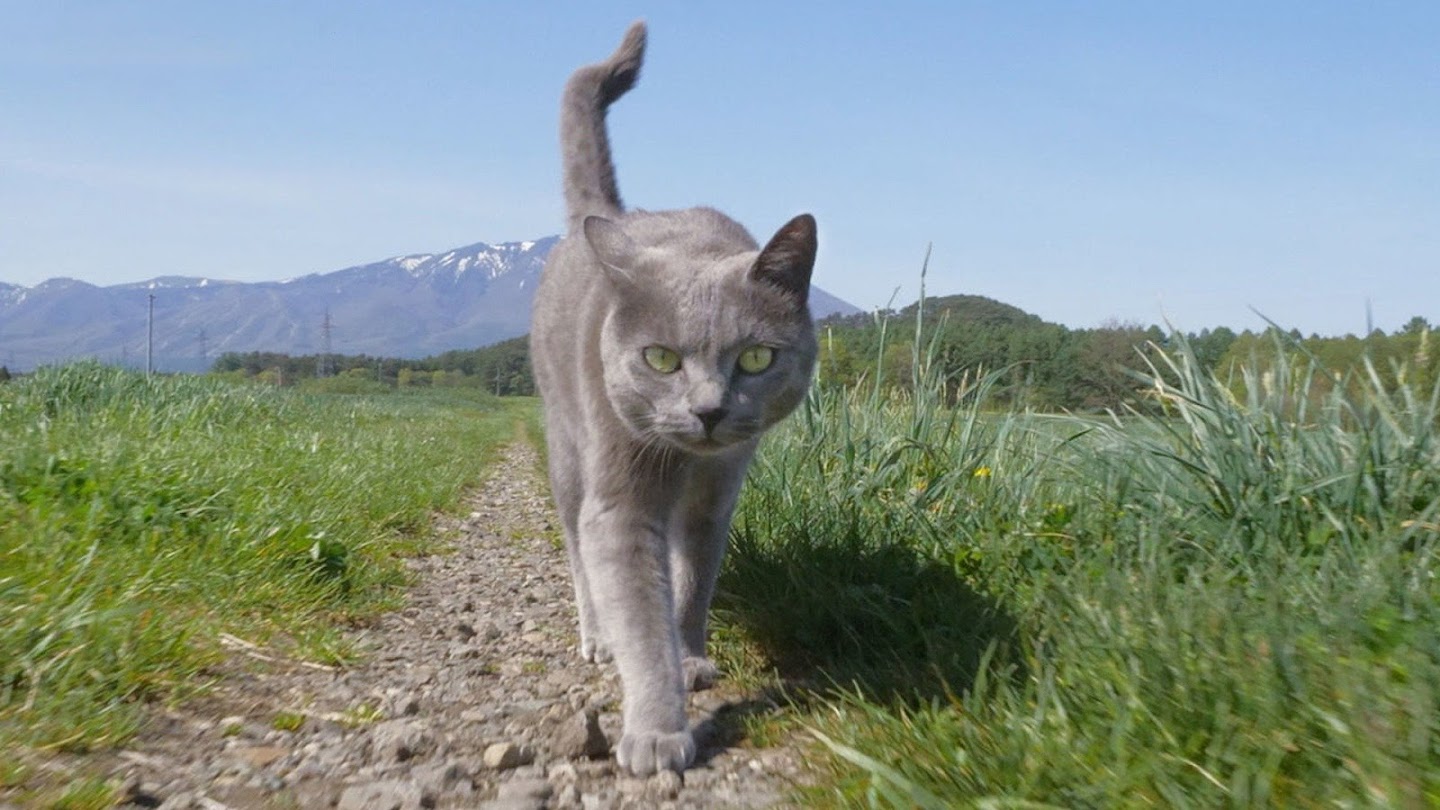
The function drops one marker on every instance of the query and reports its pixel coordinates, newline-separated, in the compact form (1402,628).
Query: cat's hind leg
(567,486)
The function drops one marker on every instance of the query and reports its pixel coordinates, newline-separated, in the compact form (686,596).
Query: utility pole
(204,348)
(324,369)
(150,339)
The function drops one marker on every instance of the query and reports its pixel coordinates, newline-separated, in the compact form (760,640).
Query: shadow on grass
(858,616)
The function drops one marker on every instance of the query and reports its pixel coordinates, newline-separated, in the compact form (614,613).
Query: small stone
(270,783)
(259,756)
(183,800)
(444,777)
(701,777)
(563,773)
(140,793)
(404,705)
(568,797)
(537,789)
(399,740)
(390,794)
(507,755)
(461,651)
(663,786)
(581,736)
(465,631)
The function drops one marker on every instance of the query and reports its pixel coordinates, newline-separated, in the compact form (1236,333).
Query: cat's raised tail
(590,188)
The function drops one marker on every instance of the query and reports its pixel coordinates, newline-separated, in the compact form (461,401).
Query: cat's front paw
(593,651)
(646,753)
(699,673)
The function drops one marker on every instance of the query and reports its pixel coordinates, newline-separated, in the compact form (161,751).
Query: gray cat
(664,344)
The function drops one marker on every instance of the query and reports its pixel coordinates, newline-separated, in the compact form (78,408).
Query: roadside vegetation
(1224,596)
(1219,592)
(143,520)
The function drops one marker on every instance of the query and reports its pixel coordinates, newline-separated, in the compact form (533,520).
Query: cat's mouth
(704,443)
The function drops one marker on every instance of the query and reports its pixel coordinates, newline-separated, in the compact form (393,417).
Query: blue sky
(1084,161)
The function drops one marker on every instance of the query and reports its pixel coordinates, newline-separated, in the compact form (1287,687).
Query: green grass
(140,519)
(1228,601)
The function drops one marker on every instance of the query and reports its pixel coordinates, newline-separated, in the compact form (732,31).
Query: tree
(1415,326)
(1211,345)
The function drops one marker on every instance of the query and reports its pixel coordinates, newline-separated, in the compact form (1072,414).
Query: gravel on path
(470,696)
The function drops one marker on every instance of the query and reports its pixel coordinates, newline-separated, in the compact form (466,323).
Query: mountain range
(406,306)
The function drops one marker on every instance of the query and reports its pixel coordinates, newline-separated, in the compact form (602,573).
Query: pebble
(580,735)
(391,794)
(399,740)
(505,755)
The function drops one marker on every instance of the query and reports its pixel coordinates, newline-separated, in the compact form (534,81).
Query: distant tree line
(1037,364)
(1047,366)
(502,369)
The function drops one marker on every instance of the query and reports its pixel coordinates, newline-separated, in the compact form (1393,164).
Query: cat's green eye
(662,359)
(756,359)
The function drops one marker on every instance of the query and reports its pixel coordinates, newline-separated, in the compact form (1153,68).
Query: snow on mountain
(171,283)
(490,260)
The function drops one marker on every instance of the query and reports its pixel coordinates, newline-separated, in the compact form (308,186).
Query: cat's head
(706,348)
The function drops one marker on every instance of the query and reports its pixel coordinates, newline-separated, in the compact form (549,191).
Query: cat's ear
(788,258)
(616,251)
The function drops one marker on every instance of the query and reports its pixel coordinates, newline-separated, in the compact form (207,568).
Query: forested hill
(971,308)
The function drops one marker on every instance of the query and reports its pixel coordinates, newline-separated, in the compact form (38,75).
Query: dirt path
(470,696)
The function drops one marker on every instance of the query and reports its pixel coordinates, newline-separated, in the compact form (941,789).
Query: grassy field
(1228,604)
(141,519)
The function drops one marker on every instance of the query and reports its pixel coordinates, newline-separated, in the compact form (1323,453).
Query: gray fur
(645,466)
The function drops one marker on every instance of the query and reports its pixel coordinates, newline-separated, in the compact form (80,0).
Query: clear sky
(1082,160)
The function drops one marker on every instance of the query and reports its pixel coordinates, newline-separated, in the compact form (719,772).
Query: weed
(288,721)
(362,714)
(88,793)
